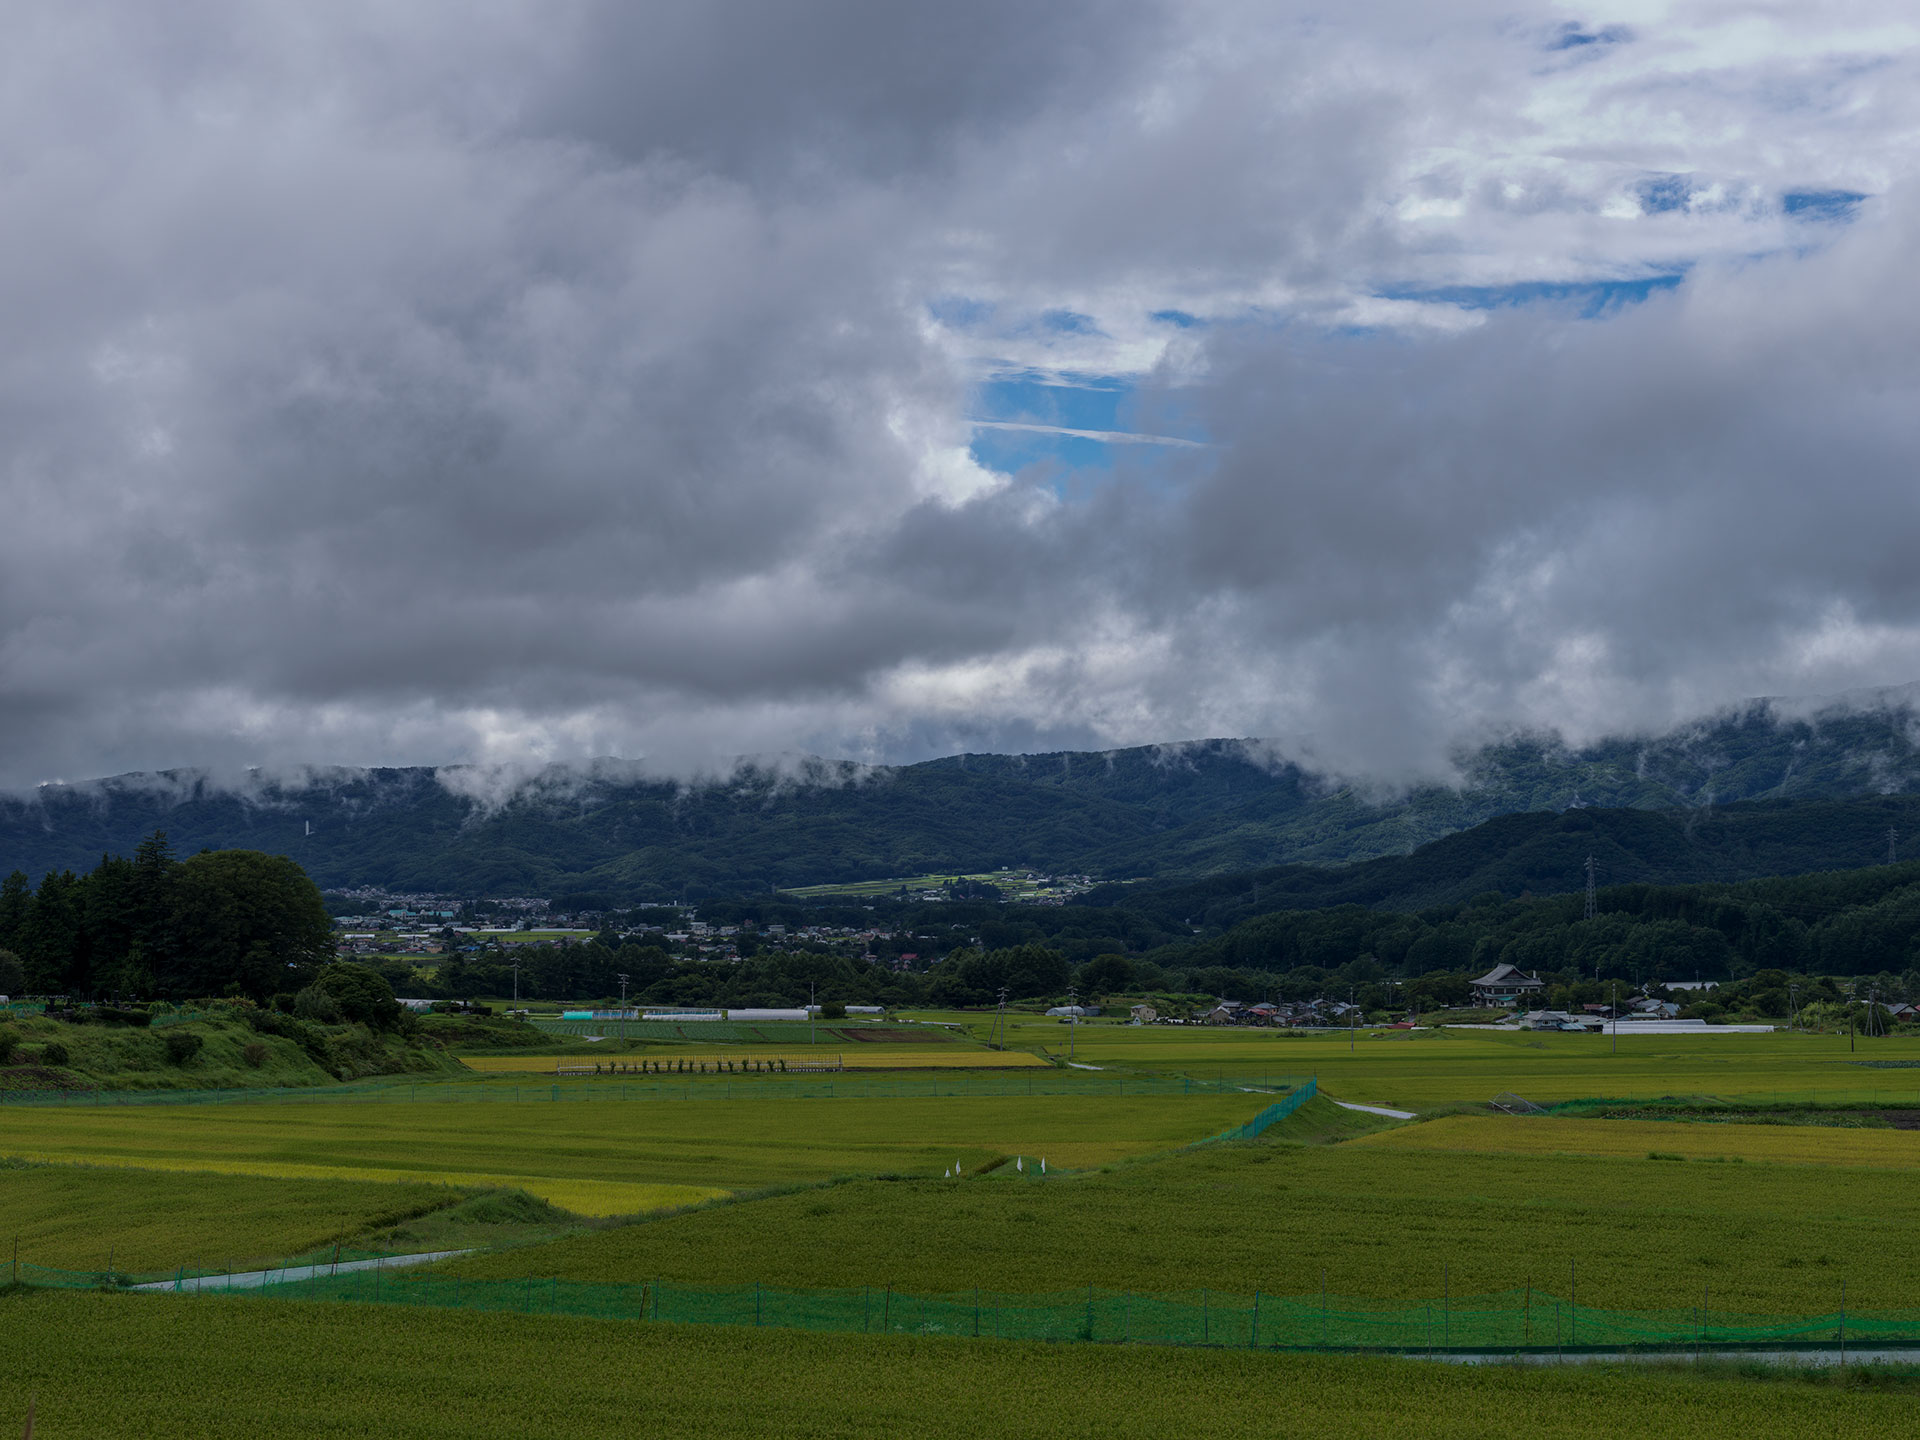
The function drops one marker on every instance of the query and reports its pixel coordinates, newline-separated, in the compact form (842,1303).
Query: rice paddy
(945,1057)
(213,1368)
(616,1158)
(922,1194)
(1647,1139)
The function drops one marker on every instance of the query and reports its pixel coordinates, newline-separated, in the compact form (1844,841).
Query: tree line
(220,923)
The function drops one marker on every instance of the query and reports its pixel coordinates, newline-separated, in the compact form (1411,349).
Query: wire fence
(1507,1322)
(741,1085)
(1273,1114)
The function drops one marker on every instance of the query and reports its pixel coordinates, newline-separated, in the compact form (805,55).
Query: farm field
(1382,1222)
(620,1158)
(918,1057)
(77,1217)
(1768,1144)
(1414,1069)
(238,1367)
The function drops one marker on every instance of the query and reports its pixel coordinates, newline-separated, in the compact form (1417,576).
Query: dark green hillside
(1545,854)
(1212,807)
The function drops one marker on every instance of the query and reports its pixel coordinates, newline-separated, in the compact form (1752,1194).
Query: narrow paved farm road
(254,1279)
(1376,1110)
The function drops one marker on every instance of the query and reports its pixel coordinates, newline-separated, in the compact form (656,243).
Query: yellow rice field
(1638,1139)
(917,1057)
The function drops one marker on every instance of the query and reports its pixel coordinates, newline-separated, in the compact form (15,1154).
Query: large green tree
(245,923)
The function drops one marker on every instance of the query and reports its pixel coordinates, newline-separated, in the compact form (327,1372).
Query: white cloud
(518,382)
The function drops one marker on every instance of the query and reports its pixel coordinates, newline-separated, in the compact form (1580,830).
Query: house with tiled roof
(1507,985)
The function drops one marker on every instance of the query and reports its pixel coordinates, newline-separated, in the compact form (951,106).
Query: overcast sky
(388,384)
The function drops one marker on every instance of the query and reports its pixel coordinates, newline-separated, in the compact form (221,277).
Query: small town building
(1507,985)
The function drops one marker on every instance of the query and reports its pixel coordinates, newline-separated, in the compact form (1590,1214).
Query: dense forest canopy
(223,922)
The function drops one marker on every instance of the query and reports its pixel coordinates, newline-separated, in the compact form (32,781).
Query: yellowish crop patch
(607,1156)
(918,1057)
(1640,1139)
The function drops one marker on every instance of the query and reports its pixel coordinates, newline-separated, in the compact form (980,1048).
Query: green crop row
(211,1368)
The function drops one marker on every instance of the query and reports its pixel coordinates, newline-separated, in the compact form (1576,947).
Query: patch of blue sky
(1661,193)
(960,312)
(1573,36)
(1011,451)
(1824,205)
(1086,402)
(1589,297)
(1069,322)
(1078,429)
(1180,319)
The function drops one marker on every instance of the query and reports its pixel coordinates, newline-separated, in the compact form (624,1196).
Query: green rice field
(209,1368)
(1415,1069)
(780,1188)
(1371,1218)
(617,1158)
(85,1217)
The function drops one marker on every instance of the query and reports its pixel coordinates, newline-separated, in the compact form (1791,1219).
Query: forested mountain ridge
(1185,810)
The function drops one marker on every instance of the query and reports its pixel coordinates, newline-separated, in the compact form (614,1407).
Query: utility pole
(516,984)
(1589,914)
(1793,1002)
(623,1010)
(1350,1019)
(1000,1021)
(813,1024)
(1073,1019)
(1616,1015)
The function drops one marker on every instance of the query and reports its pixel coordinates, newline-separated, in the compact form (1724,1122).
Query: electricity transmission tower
(1589,868)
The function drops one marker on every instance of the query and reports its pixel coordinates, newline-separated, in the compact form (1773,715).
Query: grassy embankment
(231,1054)
(217,1367)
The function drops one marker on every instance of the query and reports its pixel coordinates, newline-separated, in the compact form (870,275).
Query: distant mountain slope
(1185,810)
(1542,853)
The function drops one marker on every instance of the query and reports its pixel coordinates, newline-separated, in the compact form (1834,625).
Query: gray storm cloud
(516,383)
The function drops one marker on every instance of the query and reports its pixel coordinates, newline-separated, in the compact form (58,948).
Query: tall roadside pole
(623,1012)
(1073,1019)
